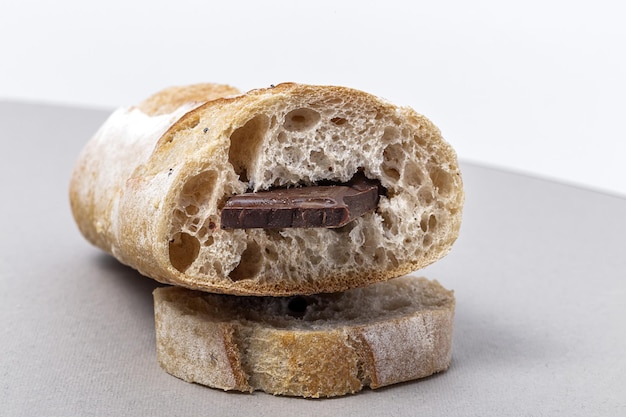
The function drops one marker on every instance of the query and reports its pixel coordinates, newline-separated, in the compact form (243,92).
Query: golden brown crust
(234,360)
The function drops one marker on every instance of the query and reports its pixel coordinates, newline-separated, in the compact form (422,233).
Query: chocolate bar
(327,206)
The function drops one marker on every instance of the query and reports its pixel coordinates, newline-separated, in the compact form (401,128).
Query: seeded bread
(313,346)
(150,185)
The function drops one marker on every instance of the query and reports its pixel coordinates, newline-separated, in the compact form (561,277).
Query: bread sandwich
(283,218)
(287,190)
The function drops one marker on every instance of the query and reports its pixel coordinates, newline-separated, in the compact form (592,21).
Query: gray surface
(539,274)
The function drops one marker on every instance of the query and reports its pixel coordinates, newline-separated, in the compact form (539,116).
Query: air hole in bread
(271,254)
(315,259)
(432,222)
(244,144)
(425,195)
(390,222)
(199,189)
(191,210)
(250,263)
(394,154)
(389,135)
(299,120)
(338,121)
(441,180)
(184,249)
(421,141)
(319,158)
(428,223)
(413,175)
(424,224)
(218,267)
(393,157)
(391,172)
(179,216)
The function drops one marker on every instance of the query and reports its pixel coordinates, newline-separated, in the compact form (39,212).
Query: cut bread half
(150,188)
(322,345)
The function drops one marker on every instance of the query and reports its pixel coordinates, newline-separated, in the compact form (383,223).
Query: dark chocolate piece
(328,206)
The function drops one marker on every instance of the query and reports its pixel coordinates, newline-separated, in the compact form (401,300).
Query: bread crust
(376,336)
(148,188)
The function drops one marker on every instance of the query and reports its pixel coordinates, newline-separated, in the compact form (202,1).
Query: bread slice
(314,346)
(150,186)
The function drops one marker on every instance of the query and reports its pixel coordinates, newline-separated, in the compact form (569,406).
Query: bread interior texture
(300,140)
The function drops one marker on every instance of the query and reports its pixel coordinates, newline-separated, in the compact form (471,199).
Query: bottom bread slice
(314,346)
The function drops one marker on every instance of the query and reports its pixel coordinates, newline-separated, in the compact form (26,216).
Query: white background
(533,86)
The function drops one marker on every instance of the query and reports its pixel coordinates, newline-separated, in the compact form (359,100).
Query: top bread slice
(150,185)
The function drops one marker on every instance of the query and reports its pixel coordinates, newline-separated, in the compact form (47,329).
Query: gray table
(539,274)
